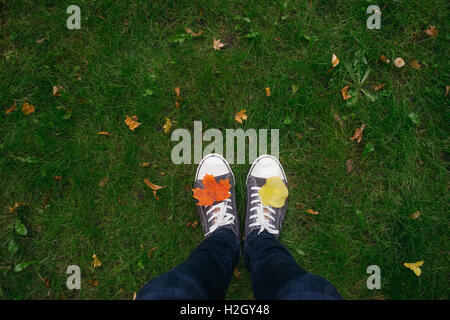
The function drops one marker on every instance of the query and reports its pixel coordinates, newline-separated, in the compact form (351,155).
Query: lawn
(80,193)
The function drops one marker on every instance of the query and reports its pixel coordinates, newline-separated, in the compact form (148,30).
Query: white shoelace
(262,215)
(221,217)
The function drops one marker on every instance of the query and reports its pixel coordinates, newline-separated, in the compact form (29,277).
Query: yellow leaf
(268,94)
(96,262)
(274,192)
(414,266)
(167,126)
(334,60)
(132,122)
(217,44)
(240,116)
(27,108)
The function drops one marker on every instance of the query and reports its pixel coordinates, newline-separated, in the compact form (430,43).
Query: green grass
(126,47)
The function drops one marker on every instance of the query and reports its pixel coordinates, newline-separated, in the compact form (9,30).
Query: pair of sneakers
(224,214)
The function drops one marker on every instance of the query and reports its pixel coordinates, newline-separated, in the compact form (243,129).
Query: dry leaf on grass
(237,274)
(432,31)
(16,205)
(192,224)
(152,185)
(414,266)
(57,91)
(378,87)
(311,211)
(150,252)
(189,31)
(104,133)
(103,182)
(96,262)
(27,108)
(344,93)
(358,133)
(145,164)
(11,109)
(40,40)
(268,93)
(384,59)
(339,120)
(167,126)
(132,122)
(415,64)
(240,116)
(93,282)
(217,45)
(334,60)
(349,163)
(415,215)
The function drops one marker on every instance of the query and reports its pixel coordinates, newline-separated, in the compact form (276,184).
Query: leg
(206,274)
(276,275)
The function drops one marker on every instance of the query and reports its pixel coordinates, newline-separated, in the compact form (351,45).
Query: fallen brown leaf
(447,89)
(145,164)
(152,185)
(415,64)
(132,122)
(57,178)
(432,31)
(150,252)
(11,109)
(268,94)
(416,214)
(358,133)
(217,45)
(177,91)
(334,60)
(57,91)
(93,282)
(40,40)
(27,108)
(104,133)
(344,93)
(237,274)
(378,87)
(103,182)
(16,205)
(189,31)
(349,164)
(384,59)
(311,211)
(339,120)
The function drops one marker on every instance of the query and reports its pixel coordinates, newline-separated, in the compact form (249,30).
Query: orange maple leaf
(132,122)
(239,116)
(212,191)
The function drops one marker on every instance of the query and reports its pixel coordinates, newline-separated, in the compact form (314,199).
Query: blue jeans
(207,272)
